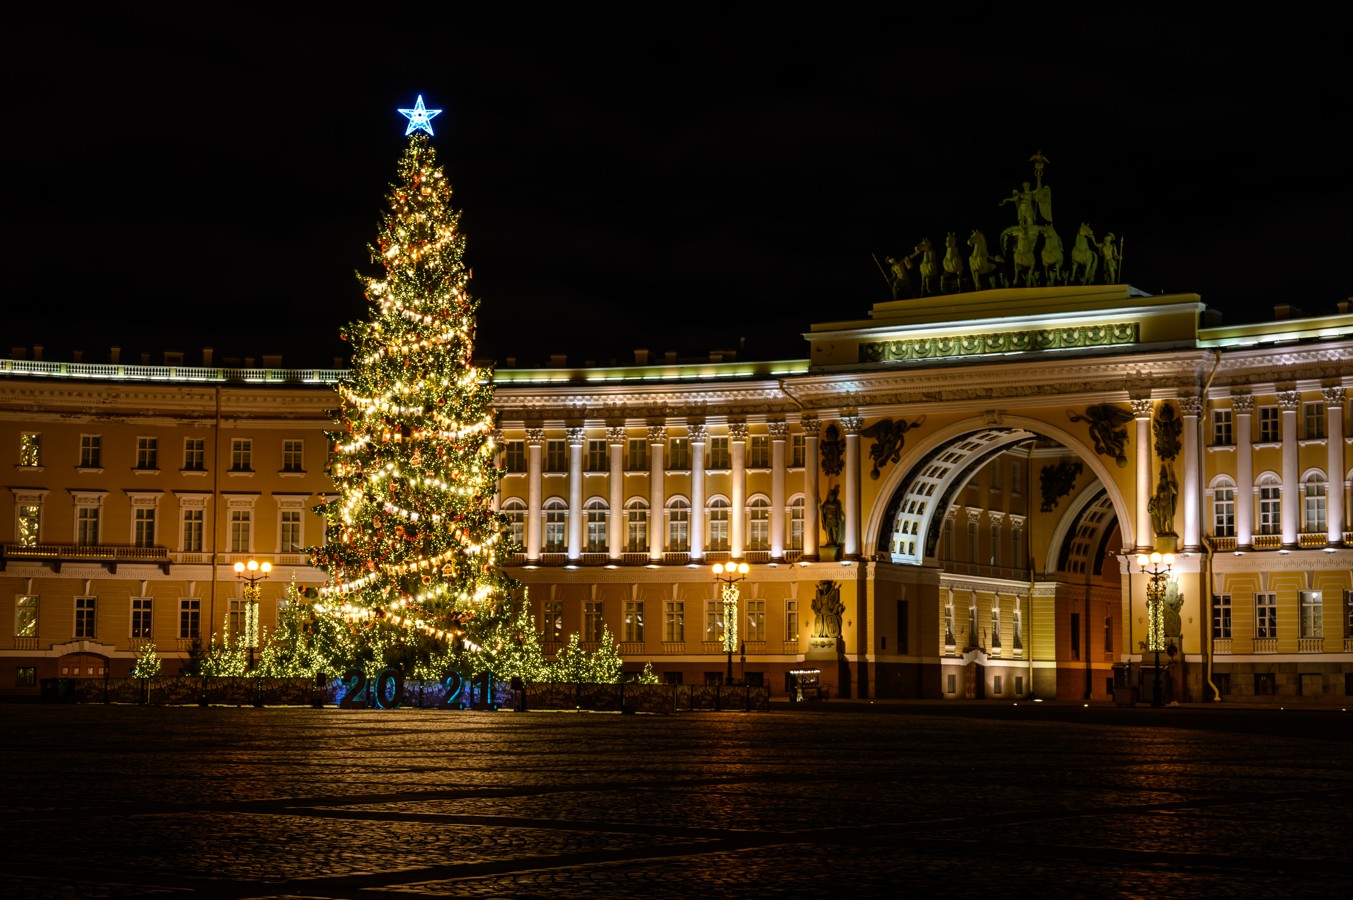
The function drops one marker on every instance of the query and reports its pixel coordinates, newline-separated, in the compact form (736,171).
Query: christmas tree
(414,544)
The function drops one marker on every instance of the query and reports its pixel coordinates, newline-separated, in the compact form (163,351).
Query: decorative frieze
(1024,341)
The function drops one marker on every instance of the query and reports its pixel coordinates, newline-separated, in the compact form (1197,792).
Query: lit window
(30,449)
(679,526)
(592,621)
(556,520)
(674,621)
(141,617)
(634,621)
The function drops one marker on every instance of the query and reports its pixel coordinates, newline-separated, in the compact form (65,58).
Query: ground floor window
(26,676)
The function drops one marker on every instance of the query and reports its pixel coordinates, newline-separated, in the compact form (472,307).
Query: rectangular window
(596,528)
(143,527)
(1265,684)
(1266,615)
(91,451)
(994,542)
(1270,508)
(637,458)
(516,522)
(193,521)
(1268,425)
(141,617)
(718,453)
(293,456)
(1224,512)
(713,621)
(26,676)
(1221,616)
(556,456)
(190,618)
(758,526)
(515,459)
(30,449)
(796,525)
(791,620)
(1222,435)
(718,527)
(241,530)
(236,618)
(796,451)
(553,624)
(87,526)
(592,622)
(147,453)
(679,454)
(1312,614)
(30,524)
(754,614)
(758,451)
(291,531)
(85,608)
(194,454)
(241,455)
(1108,634)
(26,616)
(1313,505)
(556,522)
(1313,418)
(1075,635)
(972,541)
(674,622)
(679,529)
(1348,614)
(636,529)
(596,456)
(634,621)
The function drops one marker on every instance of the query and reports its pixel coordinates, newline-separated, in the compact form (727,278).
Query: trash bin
(57,690)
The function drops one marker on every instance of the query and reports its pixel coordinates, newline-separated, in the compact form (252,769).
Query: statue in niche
(1167,428)
(1162,504)
(833,450)
(832,518)
(1057,481)
(1107,429)
(888,437)
(827,610)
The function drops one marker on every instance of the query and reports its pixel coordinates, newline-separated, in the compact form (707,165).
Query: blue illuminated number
(355,695)
(451,683)
(386,698)
(485,698)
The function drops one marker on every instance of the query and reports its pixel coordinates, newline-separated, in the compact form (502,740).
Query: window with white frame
(758,524)
(636,460)
(194,454)
(1313,503)
(556,455)
(636,527)
(1312,614)
(86,609)
(1313,420)
(679,454)
(754,616)
(514,510)
(1017,547)
(30,449)
(758,451)
(678,526)
(596,512)
(972,540)
(796,524)
(791,620)
(593,624)
(147,453)
(996,625)
(1221,617)
(718,454)
(194,520)
(241,530)
(293,455)
(552,620)
(634,621)
(994,542)
(797,451)
(1348,614)
(596,456)
(289,531)
(674,621)
(241,455)
(718,524)
(713,620)
(91,451)
(142,619)
(87,526)
(1222,430)
(26,616)
(1270,505)
(556,525)
(1266,615)
(1224,509)
(237,618)
(143,526)
(29,525)
(514,459)
(190,618)
(1108,634)
(1269,429)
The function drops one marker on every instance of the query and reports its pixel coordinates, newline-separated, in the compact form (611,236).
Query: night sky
(182,176)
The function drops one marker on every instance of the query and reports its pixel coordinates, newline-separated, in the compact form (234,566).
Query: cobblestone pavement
(837,799)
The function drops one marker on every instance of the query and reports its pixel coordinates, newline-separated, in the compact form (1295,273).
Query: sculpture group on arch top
(1029,253)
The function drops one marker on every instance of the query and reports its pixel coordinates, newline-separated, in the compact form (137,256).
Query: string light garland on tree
(414,546)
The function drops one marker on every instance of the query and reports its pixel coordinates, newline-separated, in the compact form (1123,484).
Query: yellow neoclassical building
(946,498)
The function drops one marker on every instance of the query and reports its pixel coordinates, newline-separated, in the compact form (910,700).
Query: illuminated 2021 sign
(386,691)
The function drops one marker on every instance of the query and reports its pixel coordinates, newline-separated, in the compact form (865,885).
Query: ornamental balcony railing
(1224,544)
(1312,539)
(1267,541)
(1265,645)
(108,555)
(1311,645)
(1221,646)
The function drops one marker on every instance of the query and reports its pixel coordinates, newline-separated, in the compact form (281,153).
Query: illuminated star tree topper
(420,117)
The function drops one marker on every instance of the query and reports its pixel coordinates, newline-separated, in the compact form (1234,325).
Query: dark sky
(668,177)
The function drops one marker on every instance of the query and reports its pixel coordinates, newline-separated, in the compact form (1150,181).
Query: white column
(698,435)
(615,525)
(778,432)
(1141,409)
(1242,406)
(1292,492)
(657,499)
(1190,407)
(737,526)
(852,426)
(811,467)
(575,493)
(535,439)
(1334,468)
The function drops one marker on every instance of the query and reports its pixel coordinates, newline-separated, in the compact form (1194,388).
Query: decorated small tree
(414,544)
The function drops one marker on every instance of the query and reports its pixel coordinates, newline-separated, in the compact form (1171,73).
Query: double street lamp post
(1157,569)
(251,573)
(728,575)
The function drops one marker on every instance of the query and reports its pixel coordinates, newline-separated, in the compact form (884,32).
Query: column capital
(779,429)
(737,431)
(1288,400)
(1190,406)
(697,432)
(1141,408)
(535,436)
(657,434)
(1334,394)
(1242,404)
(810,423)
(576,435)
(852,424)
(615,434)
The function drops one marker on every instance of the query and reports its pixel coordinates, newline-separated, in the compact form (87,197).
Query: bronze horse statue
(981,263)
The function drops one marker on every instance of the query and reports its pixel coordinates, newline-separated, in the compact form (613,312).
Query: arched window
(556,520)
(1270,505)
(796,524)
(1224,508)
(678,526)
(636,527)
(758,524)
(1313,506)
(718,524)
(597,514)
(515,511)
